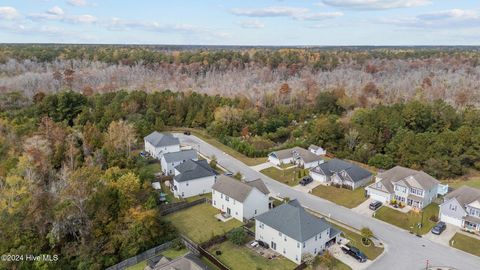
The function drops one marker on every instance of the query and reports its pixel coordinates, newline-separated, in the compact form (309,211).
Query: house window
(187,184)
(255,211)
(227,198)
(285,239)
(221,196)
(315,251)
(316,236)
(280,234)
(214,202)
(284,251)
(298,245)
(236,213)
(453,207)
(304,244)
(296,258)
(261,225)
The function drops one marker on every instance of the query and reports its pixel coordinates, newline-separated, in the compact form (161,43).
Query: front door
(274,246)
(228,211)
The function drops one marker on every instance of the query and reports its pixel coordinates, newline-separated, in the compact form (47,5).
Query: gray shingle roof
(292,220)
(236,189)
(399,173)
(335,166)
(191,169)
(296,152)
(464,195)
(180,155)
(158,139)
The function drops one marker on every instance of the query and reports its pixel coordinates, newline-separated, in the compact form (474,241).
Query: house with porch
(291,231)
(239,199)
(192,178)
(407,186)
(339,172)
(295,156)
(157,144)
(170,160)
(461,208)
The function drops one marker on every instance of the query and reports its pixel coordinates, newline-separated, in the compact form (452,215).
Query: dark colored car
(186,132)
(375,205)
(306,180)
(262,244)
(439,228)
(355,253)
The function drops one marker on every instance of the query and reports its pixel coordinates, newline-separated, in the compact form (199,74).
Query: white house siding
(168,168)
(219,201)
(430,195)
(255,204)
(452,212)
(193,187)
(378,195)
(312,164)
(316,244)
(318,177)
(286,246)
(157,152)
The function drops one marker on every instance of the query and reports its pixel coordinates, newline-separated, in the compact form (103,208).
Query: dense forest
(397,74)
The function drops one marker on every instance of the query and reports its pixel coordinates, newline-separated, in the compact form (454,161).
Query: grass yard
(466,243)
(341,196)
(289,176)
(209,139)
(199,224)
(372,252)
(410,219)
(243,258)
(473,182)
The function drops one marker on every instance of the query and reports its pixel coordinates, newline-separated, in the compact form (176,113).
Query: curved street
(403,251)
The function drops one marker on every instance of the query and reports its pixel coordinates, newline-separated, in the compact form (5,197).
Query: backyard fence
(140,257)
(301,266)
(166,209)
(199,250)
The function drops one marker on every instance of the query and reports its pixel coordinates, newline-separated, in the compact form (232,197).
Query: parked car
(375,205)
(228,174)
(439,228)
(354,252)
(187,132)
(306,180)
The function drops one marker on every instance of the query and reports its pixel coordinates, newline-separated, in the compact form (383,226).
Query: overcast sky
(242,22)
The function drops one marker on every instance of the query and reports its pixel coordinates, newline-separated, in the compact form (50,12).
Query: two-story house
(461,208)
(241,200)
(157,144)
(296,155)
(170,160)
(410,187)
(340,172)
(291,231)
(192,178)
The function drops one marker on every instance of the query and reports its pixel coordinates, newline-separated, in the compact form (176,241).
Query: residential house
(291,231)
(410,187)
(317,150)
(461,208)
(170,160)
(339,172)
(192,178)
(157,144)
(296,155)
(185,262)
(241,200)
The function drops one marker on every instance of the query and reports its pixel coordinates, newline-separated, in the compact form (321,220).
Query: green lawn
(209,139)
(408,220)
(289,177)
(243,258)
(372,251)
(341,196)
(169,194)
(199,224)
(466,243)
(474,182)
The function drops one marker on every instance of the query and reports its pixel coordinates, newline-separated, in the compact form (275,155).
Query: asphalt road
(403,250)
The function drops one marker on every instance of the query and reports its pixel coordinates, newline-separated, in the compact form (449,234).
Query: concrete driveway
(363,209)
(403,250)
(262,166)
(445,236)
(308,187)
(347,259)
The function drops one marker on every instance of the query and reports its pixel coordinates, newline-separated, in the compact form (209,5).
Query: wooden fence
(174,207)
(140,257)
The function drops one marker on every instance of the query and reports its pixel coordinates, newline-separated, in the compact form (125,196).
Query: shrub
(434,218)
(237,236)
(177,244)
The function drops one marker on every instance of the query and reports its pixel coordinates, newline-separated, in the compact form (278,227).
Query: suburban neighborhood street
(402,249)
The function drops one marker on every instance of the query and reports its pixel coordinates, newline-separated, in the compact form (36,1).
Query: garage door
(378,197)
(451,220)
